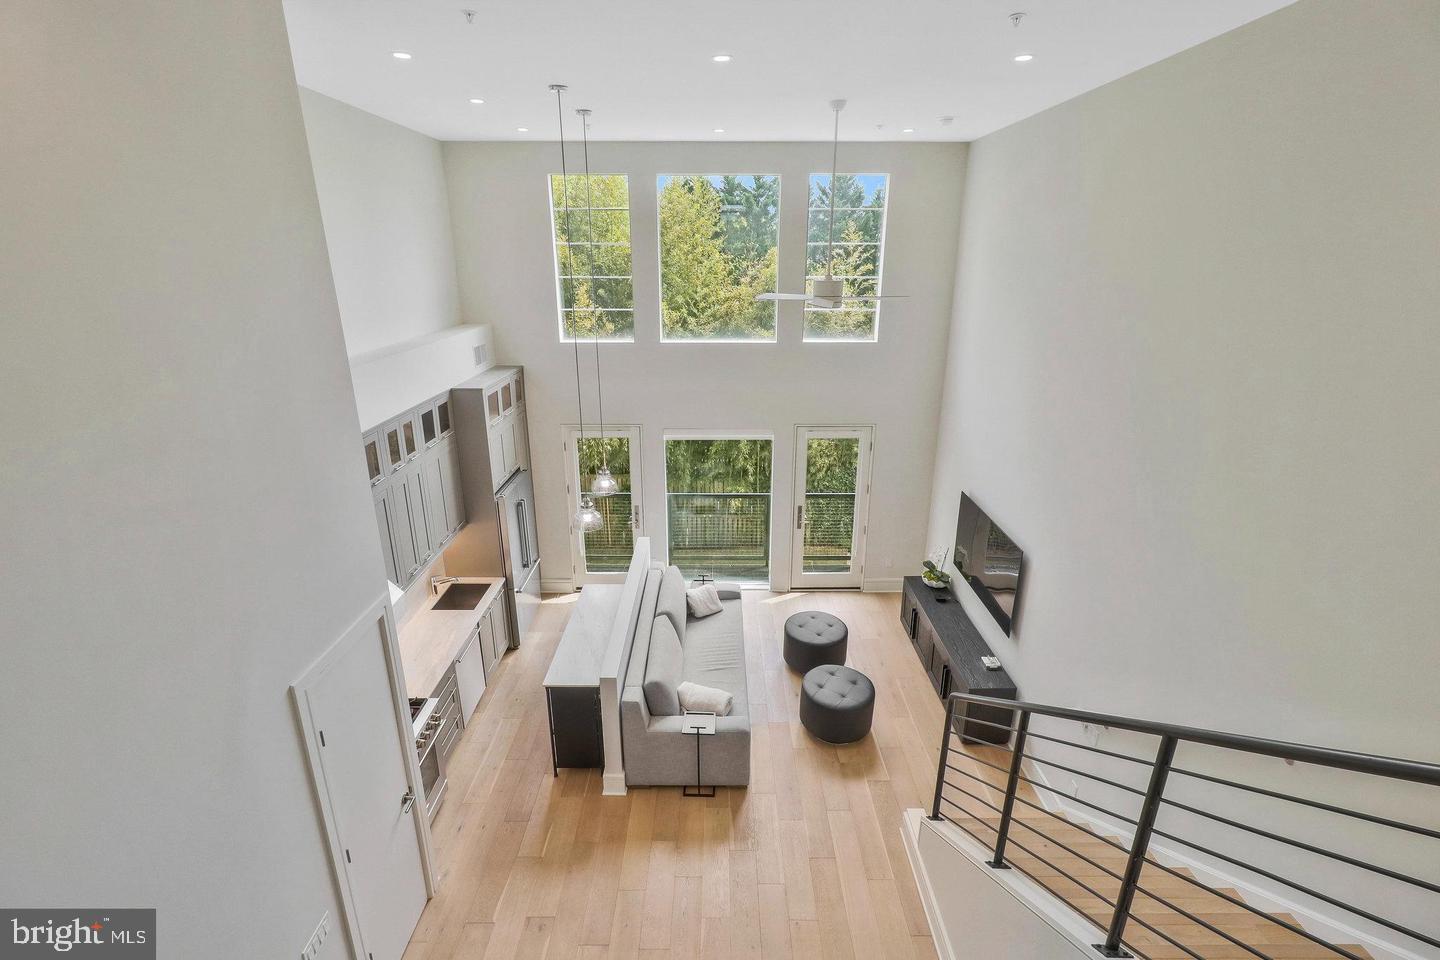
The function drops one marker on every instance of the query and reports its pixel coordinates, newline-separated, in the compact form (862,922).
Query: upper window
(859,238)
(718,238)
(592,257)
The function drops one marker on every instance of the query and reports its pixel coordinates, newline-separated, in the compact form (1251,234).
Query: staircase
(1141,904)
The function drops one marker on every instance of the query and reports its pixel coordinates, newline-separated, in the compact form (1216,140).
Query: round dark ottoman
(813,638)
(837,703)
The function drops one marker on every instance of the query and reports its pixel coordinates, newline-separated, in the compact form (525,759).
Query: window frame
(560,278)
(660,272)
(879,277)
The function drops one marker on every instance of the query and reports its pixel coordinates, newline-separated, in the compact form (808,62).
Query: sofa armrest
(727,591)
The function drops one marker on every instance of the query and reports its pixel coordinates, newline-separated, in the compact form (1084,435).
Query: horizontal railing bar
(1206,924)
(960,718)
(1079,883)
(1070,850)
(1081,827)
(972,796)
(1086,746)
(1103,899)
(1093,776)
(1350,908)
(1318,805)
(1297,930)
(976,777)
(1394,767)
(1302,845)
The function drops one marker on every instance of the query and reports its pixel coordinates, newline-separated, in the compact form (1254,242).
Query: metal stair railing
(979,817)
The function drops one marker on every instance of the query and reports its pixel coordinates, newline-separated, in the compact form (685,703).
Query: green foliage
(717,251)
(934,574)
(594,242)
(831,464)
(717,466)
(859,226)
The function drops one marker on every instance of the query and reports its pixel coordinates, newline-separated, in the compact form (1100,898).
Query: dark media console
(950,647)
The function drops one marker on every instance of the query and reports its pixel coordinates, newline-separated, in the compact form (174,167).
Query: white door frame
(378,616)
(855,577)
(578,573)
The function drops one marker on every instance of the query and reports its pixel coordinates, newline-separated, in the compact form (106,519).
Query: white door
(357,745)
(832,497)
(603,556)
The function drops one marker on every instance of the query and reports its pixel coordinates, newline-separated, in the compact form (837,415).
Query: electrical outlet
(317,939)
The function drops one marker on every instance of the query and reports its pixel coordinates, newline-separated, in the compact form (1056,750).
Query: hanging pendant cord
(834,161)
(594,324)
(569,255)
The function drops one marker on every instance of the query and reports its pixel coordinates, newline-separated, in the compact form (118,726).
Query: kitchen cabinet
(401,538)
(431,489)
(449,460)
(490,656)
(413,463)
(415,504)
(387,547)
(470,672)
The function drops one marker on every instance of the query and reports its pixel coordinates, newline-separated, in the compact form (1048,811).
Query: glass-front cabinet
(413,466)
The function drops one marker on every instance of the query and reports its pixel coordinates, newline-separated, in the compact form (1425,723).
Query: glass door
(603,556)
(832,495)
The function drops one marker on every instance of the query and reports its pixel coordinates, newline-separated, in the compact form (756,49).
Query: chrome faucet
(436,582)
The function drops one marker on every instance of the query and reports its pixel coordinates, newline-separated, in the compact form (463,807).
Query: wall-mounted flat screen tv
(989,561)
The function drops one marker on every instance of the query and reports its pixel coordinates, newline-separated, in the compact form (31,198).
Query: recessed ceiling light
(721,58)
(908,130)
(719,129)
(1024,57)
(401,54)
(522,129)
(476,100)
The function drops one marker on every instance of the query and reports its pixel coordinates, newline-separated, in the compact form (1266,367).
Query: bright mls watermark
(115,934)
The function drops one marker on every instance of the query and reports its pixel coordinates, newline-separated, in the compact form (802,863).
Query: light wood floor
(806,862)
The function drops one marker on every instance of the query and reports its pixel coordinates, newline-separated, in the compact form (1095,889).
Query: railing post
(1008,807)
(1144,825)
(944,755)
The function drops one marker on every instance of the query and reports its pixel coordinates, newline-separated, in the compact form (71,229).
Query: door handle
(407,802)
(800,517)
(635,517)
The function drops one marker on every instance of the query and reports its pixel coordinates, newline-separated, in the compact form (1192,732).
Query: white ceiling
(644,66)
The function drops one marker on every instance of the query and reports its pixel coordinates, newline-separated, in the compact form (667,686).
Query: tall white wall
(507,279)
(387,224)
(1193,372)
(186,522)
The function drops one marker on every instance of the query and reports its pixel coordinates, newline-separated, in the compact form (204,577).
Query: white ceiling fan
(828,293)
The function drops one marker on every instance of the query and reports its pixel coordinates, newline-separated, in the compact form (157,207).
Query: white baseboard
(1263,898)
(882,584)
(612,784)
(557,586)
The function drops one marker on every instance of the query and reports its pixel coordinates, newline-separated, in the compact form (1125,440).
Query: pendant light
(587,518)
(604,484)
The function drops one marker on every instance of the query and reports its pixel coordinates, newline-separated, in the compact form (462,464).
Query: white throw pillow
(698,698)
(703,600)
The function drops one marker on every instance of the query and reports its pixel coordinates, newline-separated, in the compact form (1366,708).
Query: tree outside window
(718,249)
(593,241)
(859,242)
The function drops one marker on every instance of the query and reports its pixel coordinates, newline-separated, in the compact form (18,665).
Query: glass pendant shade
(587,518)
(604,484)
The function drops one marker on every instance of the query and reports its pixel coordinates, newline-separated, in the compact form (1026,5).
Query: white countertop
(582,646)
(431,639)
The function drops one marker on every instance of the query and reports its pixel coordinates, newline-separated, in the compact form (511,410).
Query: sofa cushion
(671,602)
(663,668)
(715,654)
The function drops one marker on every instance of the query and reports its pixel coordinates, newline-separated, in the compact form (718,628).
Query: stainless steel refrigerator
(500,535)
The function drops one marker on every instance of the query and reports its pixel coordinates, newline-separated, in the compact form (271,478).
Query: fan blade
(782,296)
(881,296)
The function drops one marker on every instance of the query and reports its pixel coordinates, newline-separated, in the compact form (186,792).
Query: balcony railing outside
(829,532)
(608,549)
(723,535)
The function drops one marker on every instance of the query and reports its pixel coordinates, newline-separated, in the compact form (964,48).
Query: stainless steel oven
(431,729)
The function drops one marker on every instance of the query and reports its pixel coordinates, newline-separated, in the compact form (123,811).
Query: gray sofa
(670,647)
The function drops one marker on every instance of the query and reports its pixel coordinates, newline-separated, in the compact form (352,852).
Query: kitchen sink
(461,596)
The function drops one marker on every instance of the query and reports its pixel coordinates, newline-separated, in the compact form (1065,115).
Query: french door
(603,556)
(832,499)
